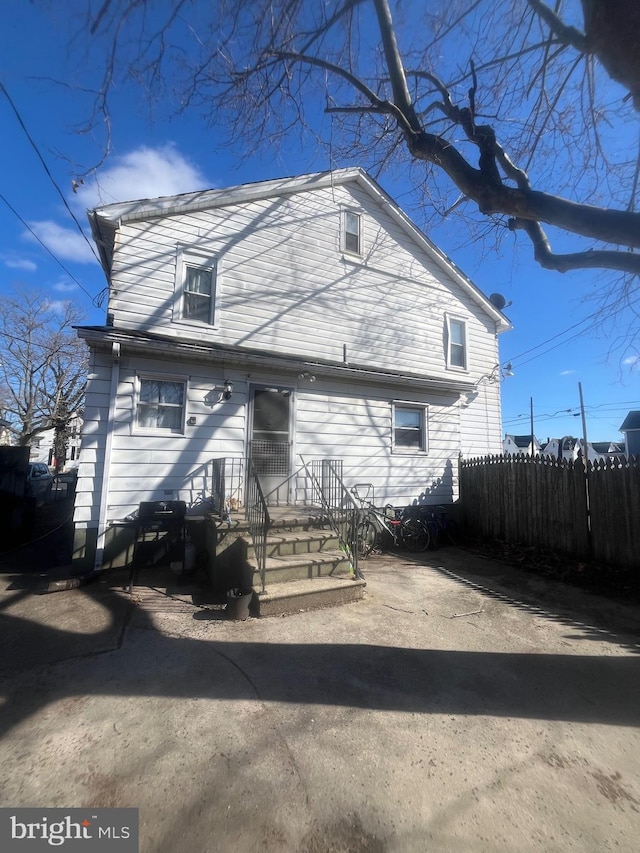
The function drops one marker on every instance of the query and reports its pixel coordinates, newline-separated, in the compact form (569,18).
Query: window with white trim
(352,232)
(456,343)
(195,287)
(410,428)
(160,404)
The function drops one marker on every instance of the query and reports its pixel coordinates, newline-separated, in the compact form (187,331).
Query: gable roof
(106,220)
(632,421)
(519,440)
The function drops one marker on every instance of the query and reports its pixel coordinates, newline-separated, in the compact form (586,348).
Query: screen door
(271,441)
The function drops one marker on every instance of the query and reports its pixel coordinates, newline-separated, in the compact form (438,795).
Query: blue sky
(558,338)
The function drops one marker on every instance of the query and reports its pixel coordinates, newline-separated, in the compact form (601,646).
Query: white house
(572,448)
(42,446)
(290,319)
(513,445)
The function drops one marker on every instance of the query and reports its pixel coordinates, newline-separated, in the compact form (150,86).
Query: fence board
(542,502)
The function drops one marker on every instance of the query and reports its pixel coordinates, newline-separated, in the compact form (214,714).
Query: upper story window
(410,428)
(195,298)
(456,343)
(160,404)
(352,232)
(198,293)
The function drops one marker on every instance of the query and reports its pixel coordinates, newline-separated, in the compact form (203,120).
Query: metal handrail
(258,520)
(218,486)
(338,504)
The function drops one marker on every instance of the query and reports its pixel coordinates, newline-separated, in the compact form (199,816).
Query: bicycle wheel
(434,533)
(451,532)
(415,534)
(366,537)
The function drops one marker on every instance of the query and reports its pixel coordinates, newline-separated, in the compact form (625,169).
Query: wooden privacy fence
(552,503)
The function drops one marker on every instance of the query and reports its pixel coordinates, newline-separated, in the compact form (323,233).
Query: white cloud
(632,361)
(65,286)
(567,372)
(142,173)
(57,306)
(20,264)
(65,243)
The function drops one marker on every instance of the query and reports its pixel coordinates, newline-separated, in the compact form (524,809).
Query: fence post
(587,499)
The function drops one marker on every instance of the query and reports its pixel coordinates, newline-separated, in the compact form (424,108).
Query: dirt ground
(608,581)
(463,705)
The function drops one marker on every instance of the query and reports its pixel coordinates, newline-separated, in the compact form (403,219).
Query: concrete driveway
(462,706)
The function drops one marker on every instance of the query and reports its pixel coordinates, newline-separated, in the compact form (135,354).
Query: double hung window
(352,232)
(160,405)
(195,299)
(410,428)
(198,294)
(457,343)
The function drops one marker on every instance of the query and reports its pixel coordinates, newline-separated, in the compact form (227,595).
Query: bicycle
(405,531)
(440,526)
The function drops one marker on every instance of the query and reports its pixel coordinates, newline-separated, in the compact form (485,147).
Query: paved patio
(461,706)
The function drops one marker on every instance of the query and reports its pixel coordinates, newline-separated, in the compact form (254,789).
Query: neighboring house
(605,450)
(299,318)
(631,429)
(569,447)
(566,447)
(42,445)
(5,434)
(512,445)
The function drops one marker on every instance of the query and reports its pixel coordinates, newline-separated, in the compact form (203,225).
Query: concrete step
(284,518)
(299,542)
(298,567)
(297,596)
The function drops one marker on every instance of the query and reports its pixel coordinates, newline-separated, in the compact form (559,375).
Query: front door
(271,441)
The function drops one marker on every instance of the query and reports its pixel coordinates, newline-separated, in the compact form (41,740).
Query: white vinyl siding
(354,424)
(289,289)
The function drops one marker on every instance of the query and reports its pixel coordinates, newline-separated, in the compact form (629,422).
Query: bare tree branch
(577,260)
(528,140)
(565,34)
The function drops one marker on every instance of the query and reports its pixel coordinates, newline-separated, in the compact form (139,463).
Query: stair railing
(218,486)
(258,520)
(341,510)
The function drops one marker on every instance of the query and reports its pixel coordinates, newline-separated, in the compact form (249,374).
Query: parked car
(39,482)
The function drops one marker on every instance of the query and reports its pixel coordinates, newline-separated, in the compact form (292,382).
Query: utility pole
(584,427)
(532,435)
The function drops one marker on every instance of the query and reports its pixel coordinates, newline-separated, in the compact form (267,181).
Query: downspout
(106,469)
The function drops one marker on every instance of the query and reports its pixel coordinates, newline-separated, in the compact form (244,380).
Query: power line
(610,410)
(589,317)
(46,248)
(46,168)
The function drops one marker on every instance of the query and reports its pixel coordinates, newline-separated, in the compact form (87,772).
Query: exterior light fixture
(498,373)
(307,375)
(227,390)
